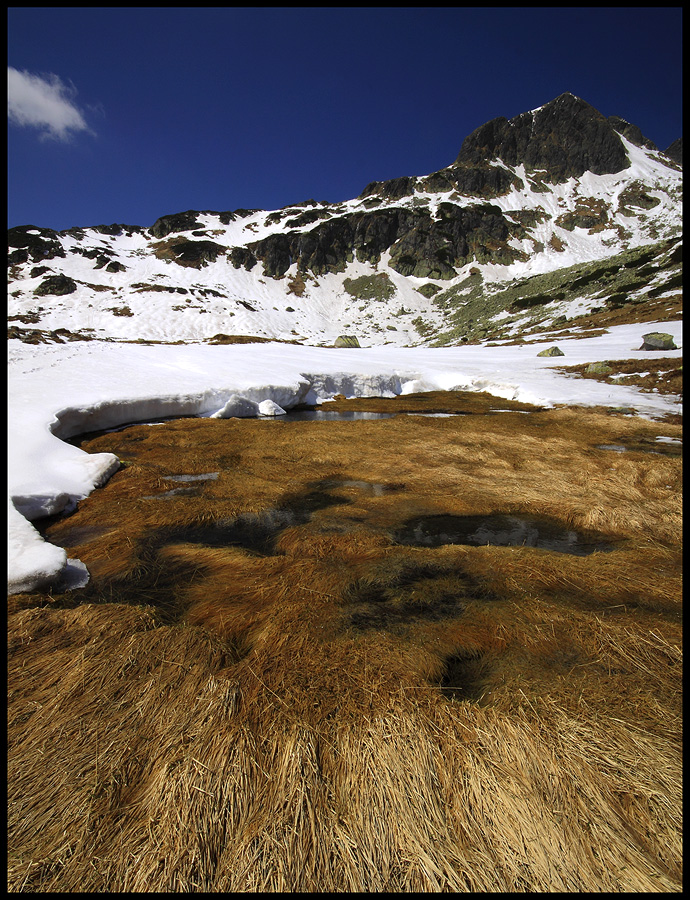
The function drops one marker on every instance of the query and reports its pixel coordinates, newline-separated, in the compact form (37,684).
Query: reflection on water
(500,531)
(208,476)
(332,415)
(324,415)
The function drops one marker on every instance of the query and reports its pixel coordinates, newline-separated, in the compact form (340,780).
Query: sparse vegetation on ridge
(634,277)
(370,287)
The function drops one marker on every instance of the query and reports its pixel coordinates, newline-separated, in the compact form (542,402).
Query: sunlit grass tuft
(262,690)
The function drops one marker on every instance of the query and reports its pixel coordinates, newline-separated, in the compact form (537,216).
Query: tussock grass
(260,690)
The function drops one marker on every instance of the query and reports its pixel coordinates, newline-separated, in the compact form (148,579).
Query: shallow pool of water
(326,415)
(499,530)
(209,476)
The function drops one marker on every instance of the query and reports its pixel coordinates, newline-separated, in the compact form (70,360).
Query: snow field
(59,390)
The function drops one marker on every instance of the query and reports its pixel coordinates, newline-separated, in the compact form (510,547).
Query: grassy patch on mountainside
(663,376)
(623,288)
(370,287)
(269,686)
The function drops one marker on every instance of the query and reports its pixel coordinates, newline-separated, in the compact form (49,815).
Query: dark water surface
(499,530)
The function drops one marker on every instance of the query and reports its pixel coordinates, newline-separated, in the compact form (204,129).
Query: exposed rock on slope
(566,137)
(462,249)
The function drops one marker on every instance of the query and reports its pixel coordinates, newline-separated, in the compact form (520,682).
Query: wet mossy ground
(350,499)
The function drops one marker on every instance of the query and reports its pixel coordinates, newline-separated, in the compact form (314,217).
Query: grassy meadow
(264,687)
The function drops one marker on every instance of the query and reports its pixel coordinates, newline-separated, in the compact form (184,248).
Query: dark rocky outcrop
(91,253)
(184,221)
(240,256)
(585,215)
(393,189)
(196,253)
(56,285)
(308,217)
(112,230)
(237,214)
(675,151)
(566,137)
(37,247)
(635,196)
(327,248)
(274,253)
(420,245)
(431,248)
(472,180)
(375,232)
(631,133)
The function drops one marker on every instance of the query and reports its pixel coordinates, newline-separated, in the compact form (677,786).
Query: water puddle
(499,530)
(436,415)
(348,415)
(257,532)
(208,476)
(660,446)
(251,531)
(617,448)
(174,493)
(324,415)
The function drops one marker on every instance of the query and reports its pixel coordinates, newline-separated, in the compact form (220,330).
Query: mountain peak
(566,137)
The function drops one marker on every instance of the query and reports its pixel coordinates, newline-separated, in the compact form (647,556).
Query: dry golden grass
(261,690)
(663,376)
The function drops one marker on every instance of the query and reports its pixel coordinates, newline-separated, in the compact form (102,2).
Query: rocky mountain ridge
(490,247)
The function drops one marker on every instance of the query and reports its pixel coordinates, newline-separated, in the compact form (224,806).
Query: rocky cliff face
(563,139)
(513,203)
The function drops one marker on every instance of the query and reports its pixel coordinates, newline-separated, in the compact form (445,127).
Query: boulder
(346,340)
(56,285)
(658,340)
(552,351)
(598,368)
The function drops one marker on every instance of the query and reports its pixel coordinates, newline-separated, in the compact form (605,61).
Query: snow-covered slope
(500,245)
(57,391)
(378,266)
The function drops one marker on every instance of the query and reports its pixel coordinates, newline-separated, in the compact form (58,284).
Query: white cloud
(44,102)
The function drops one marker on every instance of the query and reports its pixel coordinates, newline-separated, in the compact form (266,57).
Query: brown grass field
(265,688)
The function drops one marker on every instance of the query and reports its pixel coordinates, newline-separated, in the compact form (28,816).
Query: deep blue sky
(263,107)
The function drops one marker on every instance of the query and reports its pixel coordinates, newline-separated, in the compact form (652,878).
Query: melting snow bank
(59,390)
